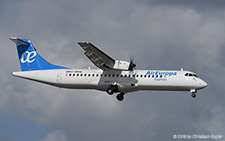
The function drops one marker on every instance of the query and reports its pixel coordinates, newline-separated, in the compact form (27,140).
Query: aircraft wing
(102,60)
(98,57)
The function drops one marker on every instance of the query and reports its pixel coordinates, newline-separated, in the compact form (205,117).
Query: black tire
(193,95)
(110,91)
(120,97)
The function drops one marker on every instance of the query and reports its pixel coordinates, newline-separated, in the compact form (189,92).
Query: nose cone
(203,84)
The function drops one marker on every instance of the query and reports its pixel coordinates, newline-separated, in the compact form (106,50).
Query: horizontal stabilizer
(19,41)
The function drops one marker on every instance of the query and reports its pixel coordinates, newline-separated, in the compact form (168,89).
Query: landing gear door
(58,78)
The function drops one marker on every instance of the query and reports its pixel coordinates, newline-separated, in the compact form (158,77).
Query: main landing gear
(113,89)
(110,91)
(120,96)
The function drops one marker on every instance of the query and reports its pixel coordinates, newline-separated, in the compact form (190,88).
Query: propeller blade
(132,65)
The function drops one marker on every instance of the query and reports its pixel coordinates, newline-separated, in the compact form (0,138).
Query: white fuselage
(127,81)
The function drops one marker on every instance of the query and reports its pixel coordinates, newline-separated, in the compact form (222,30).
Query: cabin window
(89,75)
(152,76)
(85,75)
(136,75)
(144,75)
(125,75)
(121,75)
(81,74)
(140,75)
(77,74)
(70,74)
(117,75)
(160,76)
(96,75)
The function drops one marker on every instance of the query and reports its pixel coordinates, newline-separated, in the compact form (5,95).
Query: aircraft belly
(164,88)
(79,83)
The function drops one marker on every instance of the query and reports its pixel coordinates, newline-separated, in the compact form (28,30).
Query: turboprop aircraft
(113,76)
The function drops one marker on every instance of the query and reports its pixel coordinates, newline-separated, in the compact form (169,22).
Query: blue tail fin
(28,57)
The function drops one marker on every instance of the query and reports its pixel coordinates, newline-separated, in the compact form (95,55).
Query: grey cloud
(207,6)
(166,36)
(55,136)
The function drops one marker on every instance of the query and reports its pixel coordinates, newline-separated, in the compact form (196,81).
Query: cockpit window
(195,75)
(191,74)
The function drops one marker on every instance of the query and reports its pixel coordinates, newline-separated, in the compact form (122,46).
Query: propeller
(132,65)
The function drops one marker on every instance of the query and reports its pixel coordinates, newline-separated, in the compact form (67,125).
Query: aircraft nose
(203,84)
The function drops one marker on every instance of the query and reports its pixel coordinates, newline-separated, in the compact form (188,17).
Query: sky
(158,34)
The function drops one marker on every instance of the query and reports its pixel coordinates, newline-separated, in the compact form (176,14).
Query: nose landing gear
(193,93)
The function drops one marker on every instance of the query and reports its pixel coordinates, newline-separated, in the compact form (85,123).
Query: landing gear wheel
(193,95)
(110,91)
(120,97)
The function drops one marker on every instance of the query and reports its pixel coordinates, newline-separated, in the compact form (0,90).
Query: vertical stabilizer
(28,57)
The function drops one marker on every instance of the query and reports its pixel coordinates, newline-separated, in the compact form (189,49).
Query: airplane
(113,76)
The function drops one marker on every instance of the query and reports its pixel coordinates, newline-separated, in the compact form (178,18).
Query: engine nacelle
(121,65)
